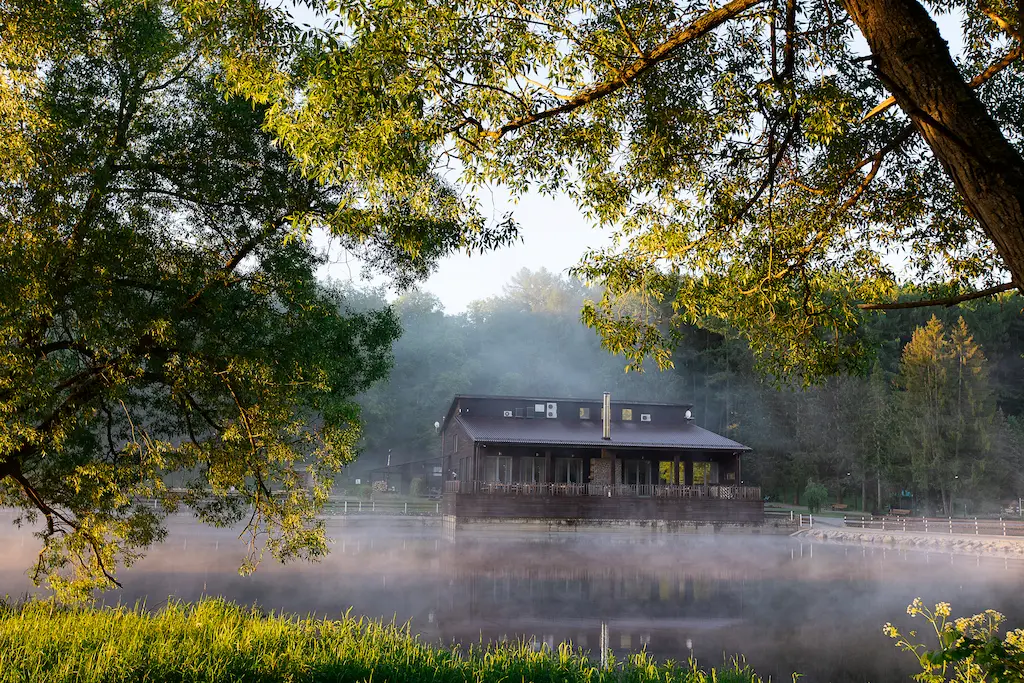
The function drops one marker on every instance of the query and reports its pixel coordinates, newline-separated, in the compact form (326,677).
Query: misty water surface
(788,607)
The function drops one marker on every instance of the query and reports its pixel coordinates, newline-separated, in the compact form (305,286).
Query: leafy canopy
(746,154)
(946,407)
(162,333)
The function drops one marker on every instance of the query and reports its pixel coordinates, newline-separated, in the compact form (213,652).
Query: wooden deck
(605,490)
(491,500)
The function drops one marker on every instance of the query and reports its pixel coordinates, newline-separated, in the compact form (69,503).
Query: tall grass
(214,641)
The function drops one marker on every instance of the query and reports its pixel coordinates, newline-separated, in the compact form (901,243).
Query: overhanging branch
(947,301)
(695,29)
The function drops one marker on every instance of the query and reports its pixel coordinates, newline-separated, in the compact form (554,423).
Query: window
(705,473)
(499,469)
(627,414)
(568,471)
(455,443)
(538,407)
(584,413)
(532,470)
(636,472)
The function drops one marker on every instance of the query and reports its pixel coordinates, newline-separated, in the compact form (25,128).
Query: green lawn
(214,641)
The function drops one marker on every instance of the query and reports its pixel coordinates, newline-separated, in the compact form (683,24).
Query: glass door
(636,472)
(705,473)
(568,471)
(532,470)
(499,469)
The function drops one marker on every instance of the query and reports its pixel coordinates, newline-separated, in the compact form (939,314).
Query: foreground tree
(760,167)
(159,317)
(945,409)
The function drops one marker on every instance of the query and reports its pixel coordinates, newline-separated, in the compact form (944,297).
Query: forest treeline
(937,414)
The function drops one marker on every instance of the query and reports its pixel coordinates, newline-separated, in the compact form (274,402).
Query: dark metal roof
(588,434)
(615,402)
(579,399)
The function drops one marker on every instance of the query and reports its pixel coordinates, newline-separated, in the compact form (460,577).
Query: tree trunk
(914,63)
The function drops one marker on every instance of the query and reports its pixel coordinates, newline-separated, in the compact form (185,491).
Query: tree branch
(947,301)
(51,528)
(975,82)
(244,250)
(697,28)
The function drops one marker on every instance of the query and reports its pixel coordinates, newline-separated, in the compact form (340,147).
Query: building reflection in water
(785,607)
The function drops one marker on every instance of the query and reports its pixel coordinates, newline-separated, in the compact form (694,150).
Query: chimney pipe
(606,416)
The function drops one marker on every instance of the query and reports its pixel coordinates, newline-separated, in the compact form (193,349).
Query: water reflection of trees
(787,608)
(598,593)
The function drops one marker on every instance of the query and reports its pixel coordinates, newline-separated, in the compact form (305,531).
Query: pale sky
(554,235)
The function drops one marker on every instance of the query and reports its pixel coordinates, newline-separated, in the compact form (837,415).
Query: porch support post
(675,470)
(548,473)
(688,471)
(738,481)
(477,465)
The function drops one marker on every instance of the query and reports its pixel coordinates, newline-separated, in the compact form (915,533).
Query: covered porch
(641,471)
(607,490)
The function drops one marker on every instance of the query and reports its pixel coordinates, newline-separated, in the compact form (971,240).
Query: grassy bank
(215,641)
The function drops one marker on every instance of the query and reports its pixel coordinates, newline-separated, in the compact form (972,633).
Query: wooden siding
(486,506)
(452,456)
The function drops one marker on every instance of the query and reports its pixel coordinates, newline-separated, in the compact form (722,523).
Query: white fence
(940,525)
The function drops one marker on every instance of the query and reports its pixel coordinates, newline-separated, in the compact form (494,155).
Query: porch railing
(631,490)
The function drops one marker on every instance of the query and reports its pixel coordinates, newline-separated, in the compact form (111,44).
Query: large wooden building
(523,458)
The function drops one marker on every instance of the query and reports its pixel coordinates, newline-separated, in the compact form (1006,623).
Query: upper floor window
(627,414)
(584,413)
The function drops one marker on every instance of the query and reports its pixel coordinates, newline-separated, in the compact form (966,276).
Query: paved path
(1003,546)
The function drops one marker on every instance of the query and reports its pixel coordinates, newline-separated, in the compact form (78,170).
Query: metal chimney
(606,416)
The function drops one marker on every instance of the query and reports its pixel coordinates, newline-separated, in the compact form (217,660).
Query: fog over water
(787,606)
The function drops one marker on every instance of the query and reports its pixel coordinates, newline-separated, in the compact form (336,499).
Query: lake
(786,606)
